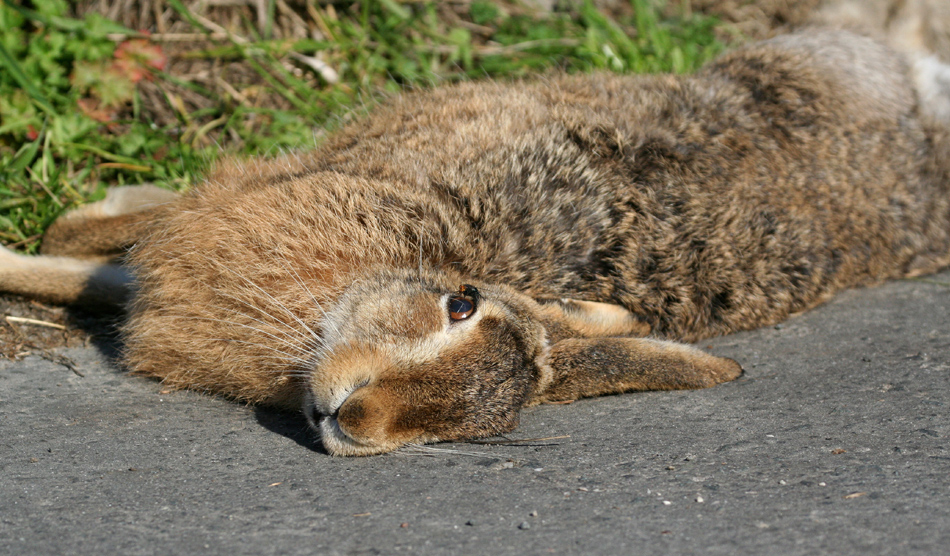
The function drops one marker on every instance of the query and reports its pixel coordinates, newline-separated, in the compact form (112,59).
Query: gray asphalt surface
(835,441)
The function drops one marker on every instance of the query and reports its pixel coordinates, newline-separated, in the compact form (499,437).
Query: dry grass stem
(35,322)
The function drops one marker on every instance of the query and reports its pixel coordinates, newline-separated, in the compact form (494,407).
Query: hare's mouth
(338,443)
(323,402)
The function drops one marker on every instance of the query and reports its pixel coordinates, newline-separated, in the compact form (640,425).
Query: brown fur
(685,207)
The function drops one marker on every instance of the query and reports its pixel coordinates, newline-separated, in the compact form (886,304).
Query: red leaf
(92,108)
(136,58)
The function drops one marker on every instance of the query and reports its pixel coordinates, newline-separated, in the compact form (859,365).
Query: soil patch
(29,327)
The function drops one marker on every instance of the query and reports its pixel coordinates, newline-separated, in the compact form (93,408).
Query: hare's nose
(351,412)
(346,396)
(365,415)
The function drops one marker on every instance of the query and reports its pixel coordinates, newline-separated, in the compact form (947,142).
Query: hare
(471,250)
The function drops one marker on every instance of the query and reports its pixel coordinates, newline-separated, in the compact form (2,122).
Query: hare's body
(727,200)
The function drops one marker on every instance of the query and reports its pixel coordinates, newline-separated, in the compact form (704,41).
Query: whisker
(305,340)
(420,251)
(272,298)
(422,450)
(286,330)
(317,304)
(289,344)
(287,326)
(299,281)
(283,357)
(518,441)
(296,365)
(263,312)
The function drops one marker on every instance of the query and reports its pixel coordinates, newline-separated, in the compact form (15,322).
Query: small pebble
(524,525)
(699,499)
(534,513)
(666,502)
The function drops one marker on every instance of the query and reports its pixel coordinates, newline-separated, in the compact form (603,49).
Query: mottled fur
(686,206)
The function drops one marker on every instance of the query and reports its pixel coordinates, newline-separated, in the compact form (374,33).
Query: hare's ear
(591,367)
(569,318)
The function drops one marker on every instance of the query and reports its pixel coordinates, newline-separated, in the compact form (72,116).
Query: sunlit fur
(678,207)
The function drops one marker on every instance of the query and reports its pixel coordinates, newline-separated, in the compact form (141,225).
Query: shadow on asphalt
(291,425)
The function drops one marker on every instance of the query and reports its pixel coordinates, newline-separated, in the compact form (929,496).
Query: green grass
(67,133)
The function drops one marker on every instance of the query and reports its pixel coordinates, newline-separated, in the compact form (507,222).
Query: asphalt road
(835,441)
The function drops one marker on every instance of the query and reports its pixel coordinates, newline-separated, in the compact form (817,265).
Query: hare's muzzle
(368,422)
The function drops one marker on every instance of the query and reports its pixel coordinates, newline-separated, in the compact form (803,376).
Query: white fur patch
(932,81)
(124,200)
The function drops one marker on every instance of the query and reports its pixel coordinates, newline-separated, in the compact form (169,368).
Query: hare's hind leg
(80,247)
(64,279)
(104,229)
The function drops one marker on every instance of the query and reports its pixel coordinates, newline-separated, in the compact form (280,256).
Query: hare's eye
(460,308)
(462,304)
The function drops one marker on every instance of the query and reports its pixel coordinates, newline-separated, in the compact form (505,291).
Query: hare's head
(414,358)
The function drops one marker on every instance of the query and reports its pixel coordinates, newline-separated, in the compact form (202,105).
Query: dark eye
(462,304)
